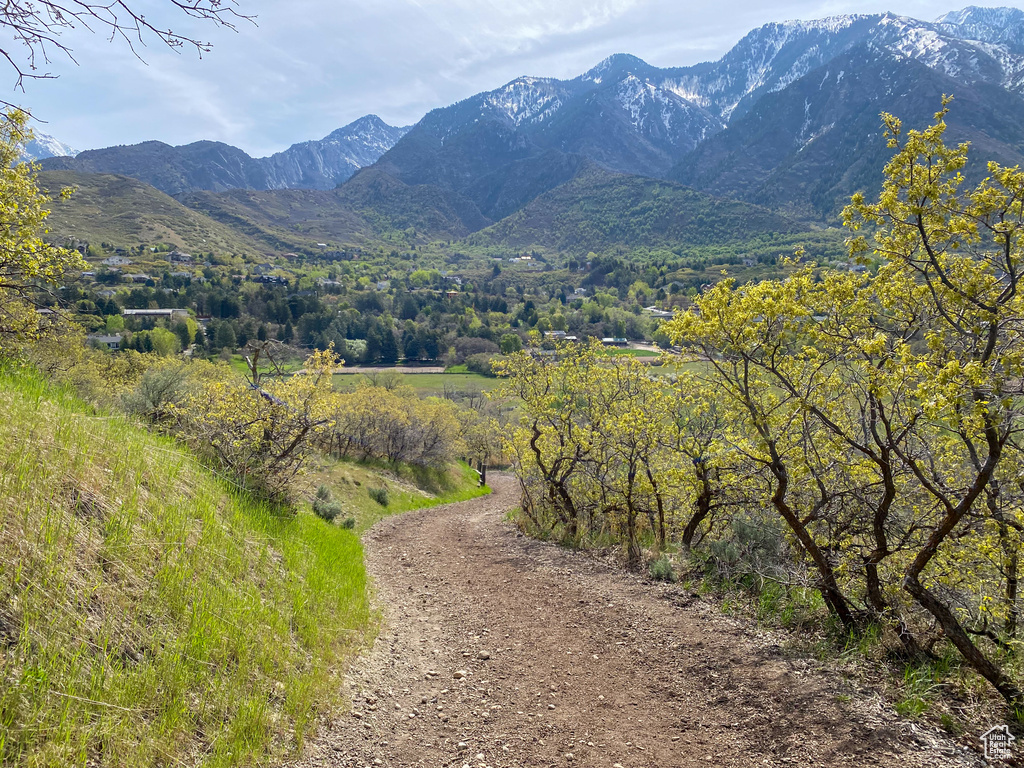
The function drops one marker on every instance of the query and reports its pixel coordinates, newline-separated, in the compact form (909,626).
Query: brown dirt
(586,666)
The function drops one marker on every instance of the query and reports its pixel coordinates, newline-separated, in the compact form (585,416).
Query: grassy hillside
(148,615)
(125,212)
(406,488)
(371,207)
(599,210)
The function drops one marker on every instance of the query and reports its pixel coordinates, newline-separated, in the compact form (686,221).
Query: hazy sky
(310,66)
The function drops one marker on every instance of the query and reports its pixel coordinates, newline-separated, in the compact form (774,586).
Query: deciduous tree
(28,263)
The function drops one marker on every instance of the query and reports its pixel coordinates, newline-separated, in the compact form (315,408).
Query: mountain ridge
(788,118)
(216,166)
(631,117)
(43,146)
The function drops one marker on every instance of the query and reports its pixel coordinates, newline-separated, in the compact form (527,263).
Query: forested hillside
(598,211)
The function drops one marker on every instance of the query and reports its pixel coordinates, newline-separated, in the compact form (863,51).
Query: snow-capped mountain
(326,163)
(999,26)
(631,117)
(806,148)
(526,100)
(789,116)
(503,147)
(44,145)
(766,60)
(215,166)
(974,45)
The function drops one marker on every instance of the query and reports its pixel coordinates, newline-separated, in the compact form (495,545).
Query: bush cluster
(324,505)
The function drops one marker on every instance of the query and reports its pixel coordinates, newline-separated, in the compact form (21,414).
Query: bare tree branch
(37,26)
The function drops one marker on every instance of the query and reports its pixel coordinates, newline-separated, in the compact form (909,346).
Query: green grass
(426,384)
(149,614)
(239,366)
(626,352)
(407,488)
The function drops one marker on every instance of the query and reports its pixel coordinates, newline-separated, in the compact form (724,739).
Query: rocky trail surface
(500,651)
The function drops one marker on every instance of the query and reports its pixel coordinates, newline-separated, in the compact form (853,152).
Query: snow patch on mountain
(615,64)
(767,59)
(927,46)
(830,24)
(1002,26)
(525,100)
(807,61)
(44,145)
(326,163)
(663,115)
(634,95)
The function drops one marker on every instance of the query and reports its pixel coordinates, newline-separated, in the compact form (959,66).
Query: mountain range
(215,166)
(788,120)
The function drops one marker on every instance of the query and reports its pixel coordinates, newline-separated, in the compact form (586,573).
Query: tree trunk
(1011,557)
(827,583)
(703,507)
(959,637)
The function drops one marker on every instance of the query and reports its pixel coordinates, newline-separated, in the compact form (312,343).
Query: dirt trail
(569,663)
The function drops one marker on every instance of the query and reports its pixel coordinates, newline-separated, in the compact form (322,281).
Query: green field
(408,488)
(621,352)
(425,384)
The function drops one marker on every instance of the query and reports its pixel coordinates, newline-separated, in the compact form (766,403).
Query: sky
(307,67)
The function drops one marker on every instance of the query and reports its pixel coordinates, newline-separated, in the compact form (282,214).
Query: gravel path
(498,650)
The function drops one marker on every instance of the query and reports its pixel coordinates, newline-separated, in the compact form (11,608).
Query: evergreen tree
(388,347)
(373,347)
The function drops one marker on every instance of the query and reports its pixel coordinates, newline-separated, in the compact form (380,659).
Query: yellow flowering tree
(28,263)
(953,262)
(597,449)
(883,411)
(262,434)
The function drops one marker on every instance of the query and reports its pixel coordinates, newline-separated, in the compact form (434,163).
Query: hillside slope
(148,616)
(598,210)
(371,206)
(125,212)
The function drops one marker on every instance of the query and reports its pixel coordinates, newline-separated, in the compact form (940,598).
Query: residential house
(113,343)
(655,312)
